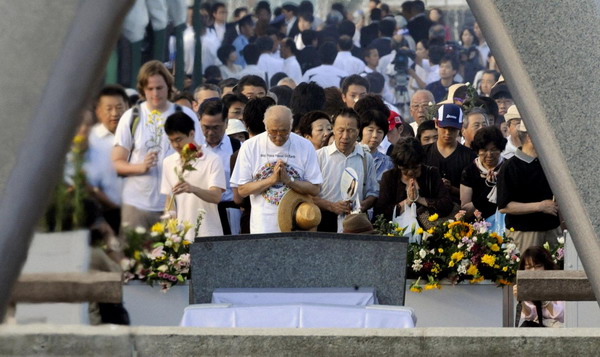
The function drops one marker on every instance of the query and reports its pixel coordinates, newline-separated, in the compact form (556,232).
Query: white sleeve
(312,170)
(123,135)
(166,187)
(216,174)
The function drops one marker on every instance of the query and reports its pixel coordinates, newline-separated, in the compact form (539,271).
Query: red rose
(192,147)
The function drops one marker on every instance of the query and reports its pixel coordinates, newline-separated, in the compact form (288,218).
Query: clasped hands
(280,174)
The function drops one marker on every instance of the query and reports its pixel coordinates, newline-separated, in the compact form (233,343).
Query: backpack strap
(135,122)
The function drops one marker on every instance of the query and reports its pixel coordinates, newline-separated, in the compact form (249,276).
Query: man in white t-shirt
(272,163)
(200,188)
(141,146)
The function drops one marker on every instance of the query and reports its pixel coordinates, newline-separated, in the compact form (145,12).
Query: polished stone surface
(548,53)
(300,260)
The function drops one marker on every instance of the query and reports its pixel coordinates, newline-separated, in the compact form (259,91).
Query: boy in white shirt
(201,188)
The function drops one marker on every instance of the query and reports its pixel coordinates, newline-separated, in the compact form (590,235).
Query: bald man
(419,104)
(272,163)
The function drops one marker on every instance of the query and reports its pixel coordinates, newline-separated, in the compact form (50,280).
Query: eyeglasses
(278,133)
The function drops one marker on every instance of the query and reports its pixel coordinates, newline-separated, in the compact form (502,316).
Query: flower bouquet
(459,251)
(161,255)
(557,252)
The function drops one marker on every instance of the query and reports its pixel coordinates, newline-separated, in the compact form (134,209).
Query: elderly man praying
(272,163)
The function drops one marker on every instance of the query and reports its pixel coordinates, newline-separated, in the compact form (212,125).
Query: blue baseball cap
(450,116)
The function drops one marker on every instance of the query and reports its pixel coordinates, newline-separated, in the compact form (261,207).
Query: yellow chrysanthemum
(495,248)
(158,227)
(420,230)
(504,268)
(186,242)
(488,259)
(472,270)
(457,256)
(430,231)
(431,286)
(451,264)
(136,255)
(511,229)
(416,289)
(433,217)
(440,250)
(476,280)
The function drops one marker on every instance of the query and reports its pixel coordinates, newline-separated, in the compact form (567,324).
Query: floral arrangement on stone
(162,255)
(458,251)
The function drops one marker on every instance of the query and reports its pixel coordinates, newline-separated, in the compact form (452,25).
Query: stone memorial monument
(300,260)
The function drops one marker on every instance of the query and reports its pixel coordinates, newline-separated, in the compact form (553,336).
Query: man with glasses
(419,104)
(214,124)
(272,163)
(513,119)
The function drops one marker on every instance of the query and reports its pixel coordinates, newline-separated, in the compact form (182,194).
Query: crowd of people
(291,102)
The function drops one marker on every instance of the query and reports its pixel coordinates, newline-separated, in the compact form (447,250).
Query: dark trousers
(222,207)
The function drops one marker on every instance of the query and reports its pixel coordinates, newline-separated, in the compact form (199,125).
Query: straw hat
(297,212)
(357,223)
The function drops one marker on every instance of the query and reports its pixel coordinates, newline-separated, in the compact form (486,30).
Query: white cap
(235,126)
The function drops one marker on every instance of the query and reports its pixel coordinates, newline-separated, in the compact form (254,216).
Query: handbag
(423,212)
(408,221)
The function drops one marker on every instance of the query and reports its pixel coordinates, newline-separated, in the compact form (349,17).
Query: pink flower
(156,253)
(460,215)
(477,214)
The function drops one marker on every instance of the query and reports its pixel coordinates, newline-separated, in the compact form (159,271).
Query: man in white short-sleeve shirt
(272,163)
(140,148)
(201,188)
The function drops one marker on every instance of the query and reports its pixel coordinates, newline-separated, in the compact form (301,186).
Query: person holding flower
(412,182)
(194,179)
(478,181)
(140,146)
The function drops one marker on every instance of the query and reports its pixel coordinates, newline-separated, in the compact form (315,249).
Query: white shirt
(99,168)
(346,62)
(209,173)
(270,64)
(220,31)
(325,75)
(210,45)
(484,51)
(224,150)
(256,160)
(510,149)
(333,162)
(227,73)
(143,191)
(253,70)
(292,69)
(298,41)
